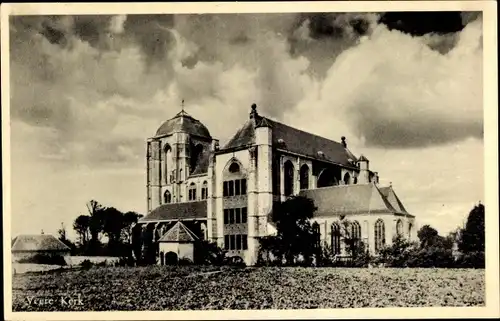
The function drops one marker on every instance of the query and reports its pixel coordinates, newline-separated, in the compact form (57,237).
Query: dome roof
(183,122)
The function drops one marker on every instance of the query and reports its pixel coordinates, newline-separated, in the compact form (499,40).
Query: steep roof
(293,140)
(179,233)
(183,122)
(177,211)
(349,199)
(39,242)
(390,195)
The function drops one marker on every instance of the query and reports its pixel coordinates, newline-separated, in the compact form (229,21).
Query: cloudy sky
(86,91)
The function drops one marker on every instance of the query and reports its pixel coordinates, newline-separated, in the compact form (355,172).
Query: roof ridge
(303,131)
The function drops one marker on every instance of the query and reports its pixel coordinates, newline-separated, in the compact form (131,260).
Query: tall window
(335,235)
(168,163)
(192,192)
(167,197)
(288,167)
(347,179)
(196,151)
(317,235)
(356,232)
(304,177)
(399,228)
(379,235)
(204,191)
(234,187)
(410,226)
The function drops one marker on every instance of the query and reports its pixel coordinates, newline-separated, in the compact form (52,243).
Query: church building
(197,189)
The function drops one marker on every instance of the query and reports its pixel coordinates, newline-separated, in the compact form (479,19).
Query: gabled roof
(39,242)
(391,196)
(179,233)
(293,140)
(349,199)
(177,211)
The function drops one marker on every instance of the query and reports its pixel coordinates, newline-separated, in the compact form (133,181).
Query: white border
(490,147)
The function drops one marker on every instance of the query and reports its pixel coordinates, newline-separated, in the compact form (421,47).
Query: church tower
(174,154)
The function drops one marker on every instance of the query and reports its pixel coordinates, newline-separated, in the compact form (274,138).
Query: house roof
(179,233)
(177,211)
(390,195)
(292,139)
(350,199)
(183,122)
(39,242)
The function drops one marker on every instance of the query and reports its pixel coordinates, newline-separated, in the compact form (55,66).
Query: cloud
(392,90)
(102,84)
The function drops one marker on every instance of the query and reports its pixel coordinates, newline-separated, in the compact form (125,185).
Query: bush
(234,261)
(44,259)
(86,264)
(471,260)
(185,261)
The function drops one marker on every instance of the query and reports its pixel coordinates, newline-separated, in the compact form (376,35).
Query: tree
(62,237)
(81,226)
(472,236)
(129,219)
(427,235)
(295,234)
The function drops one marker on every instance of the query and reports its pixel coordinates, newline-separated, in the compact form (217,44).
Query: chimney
(253,113)
(343,141)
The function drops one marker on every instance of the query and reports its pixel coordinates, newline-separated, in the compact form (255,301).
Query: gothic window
(335,235)
(168,162)
(347,179)
(317,235)
(399,228)
(192,192)
(288,167)
(234,168)
(304,177)
(356,232)
(196,151)
(410,226)
(204,191)
(355,180)
(167,197)
(379,235)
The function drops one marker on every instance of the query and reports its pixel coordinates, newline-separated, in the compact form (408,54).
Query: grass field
(193,288)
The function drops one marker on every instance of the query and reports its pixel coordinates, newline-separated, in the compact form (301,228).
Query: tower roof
(183,122)
(179,233)
(363,158)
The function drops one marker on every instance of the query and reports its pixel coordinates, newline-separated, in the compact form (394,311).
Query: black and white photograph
(249,157)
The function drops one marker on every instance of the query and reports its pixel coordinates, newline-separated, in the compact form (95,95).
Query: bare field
(202,288)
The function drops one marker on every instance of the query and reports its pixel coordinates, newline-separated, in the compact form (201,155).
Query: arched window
(317,235)
(356,232)
(379,235)
(335,235)
(327,178)
(234,168)
(410,227)
(203,230)
(167,197)
(204,190)
(289,169)
(192,192)
(196,151)
(168,163)
(304,177)
(347,179)
(399,228)
(355,180)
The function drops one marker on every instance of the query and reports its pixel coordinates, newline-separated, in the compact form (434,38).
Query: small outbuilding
(25,247)
(176,244)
